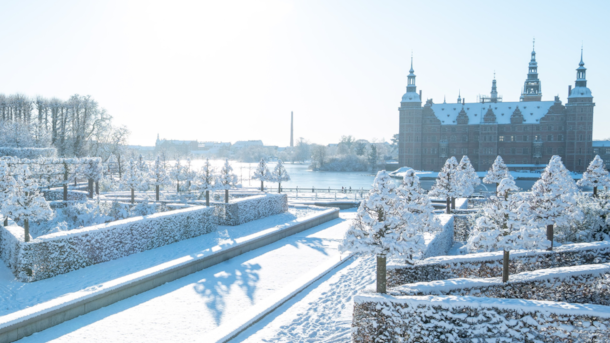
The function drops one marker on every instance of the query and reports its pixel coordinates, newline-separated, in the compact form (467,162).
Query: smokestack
(291,129)
(569,90)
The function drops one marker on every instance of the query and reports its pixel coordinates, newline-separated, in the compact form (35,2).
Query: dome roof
(580,92)
(411,97)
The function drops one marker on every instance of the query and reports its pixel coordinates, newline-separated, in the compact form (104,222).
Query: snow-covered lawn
(17,295)
(188,308)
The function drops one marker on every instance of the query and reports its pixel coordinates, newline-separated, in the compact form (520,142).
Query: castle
(525,133)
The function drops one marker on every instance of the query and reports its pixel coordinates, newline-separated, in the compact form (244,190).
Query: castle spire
(459,96)
(532,91)
(411,95)
(494,90)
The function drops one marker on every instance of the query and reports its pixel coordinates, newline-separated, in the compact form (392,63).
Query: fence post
(65,181)
(549,235)
(97,187)
(90,187)
(505,266)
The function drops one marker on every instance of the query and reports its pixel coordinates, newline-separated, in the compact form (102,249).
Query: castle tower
(291,129)
(494,90)
(410,129)
(532,90)
(579,110)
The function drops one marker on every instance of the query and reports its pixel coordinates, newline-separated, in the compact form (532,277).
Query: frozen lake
(303,178)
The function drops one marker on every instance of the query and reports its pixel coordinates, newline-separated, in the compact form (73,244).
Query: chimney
(420,98)
(291,129)
(569,90)
(463,101)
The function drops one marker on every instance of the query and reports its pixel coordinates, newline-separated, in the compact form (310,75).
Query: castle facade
(525,133)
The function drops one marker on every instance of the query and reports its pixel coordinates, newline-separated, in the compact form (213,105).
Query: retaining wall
(244,210)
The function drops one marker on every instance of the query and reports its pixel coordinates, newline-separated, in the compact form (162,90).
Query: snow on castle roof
(532,111)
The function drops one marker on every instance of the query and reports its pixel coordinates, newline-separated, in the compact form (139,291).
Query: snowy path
(188,308)
(18,295)
(321,313)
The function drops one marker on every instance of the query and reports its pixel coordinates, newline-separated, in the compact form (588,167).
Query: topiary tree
(133,179)
(469,178)
(26,203)
(595,175)
(447,182)
(177,173)
(158,176)
(93,172)
(497,172)
(226,179)
(262,173)
(552,201)
(205,181)
(378,227)
(7,188)
(279,175)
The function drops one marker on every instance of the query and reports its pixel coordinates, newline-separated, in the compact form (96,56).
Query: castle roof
(532,111)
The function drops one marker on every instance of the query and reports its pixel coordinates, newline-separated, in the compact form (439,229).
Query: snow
(521,305)
(186,309)
(54,291)
(532,111)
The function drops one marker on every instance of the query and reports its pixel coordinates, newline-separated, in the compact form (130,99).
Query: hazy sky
(229,70)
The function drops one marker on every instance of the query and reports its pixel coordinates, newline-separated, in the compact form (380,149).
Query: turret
(411,94)
(580,89)
(532,91)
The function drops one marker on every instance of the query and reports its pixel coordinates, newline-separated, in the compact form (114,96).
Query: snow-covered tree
(595,175)
(142,165)
(417,212)
(280,175)
(552,200)
(447,182)
(177,174)
(112,163)
(262,173)
(470,179)
(189,174)
(7,188)
(205,181)
(158,176)
(226,179)
(378,227)
(92,171)
(497,172)
(134,179)
(26,203)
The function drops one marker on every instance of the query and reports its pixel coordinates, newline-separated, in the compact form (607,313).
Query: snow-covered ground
(17,295)
(188,308)
(321,313)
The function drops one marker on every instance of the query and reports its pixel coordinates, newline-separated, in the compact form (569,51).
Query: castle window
(501,138)
(501,151)
(524,160)
(580,150)
(560,138)
(513,151)
(580,137)
(596,151)
(579,161)
(512,138)
(464,138)
(549,138)
(525,138)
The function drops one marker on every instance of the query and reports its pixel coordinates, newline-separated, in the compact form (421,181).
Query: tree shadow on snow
(314,243)
(217,288)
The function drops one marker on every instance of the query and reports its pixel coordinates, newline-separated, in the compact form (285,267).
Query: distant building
(526,132)
(245,144)
(602,148)
(213,145)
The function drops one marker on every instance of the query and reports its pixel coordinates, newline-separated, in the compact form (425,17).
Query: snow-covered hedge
(29,153)
(463,226)
(483,265)
(58,194)
(248,209)
(10,239)
(383,318)
(586,284)
(62,252)
(442,241)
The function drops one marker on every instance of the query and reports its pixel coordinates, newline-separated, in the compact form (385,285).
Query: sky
(234,70)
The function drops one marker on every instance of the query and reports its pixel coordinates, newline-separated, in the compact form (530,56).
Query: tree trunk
(448,209)
(497,184)
(279,187)
(226,196)
(207,198)
(595,191)
(97,187)
(177,186)
(453,203)
(65,182)
(157,192)
(90,186)
(381,274)
(262,189)
(6,221)
(26,226)
(133,198)
(505,266)
(549,235)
